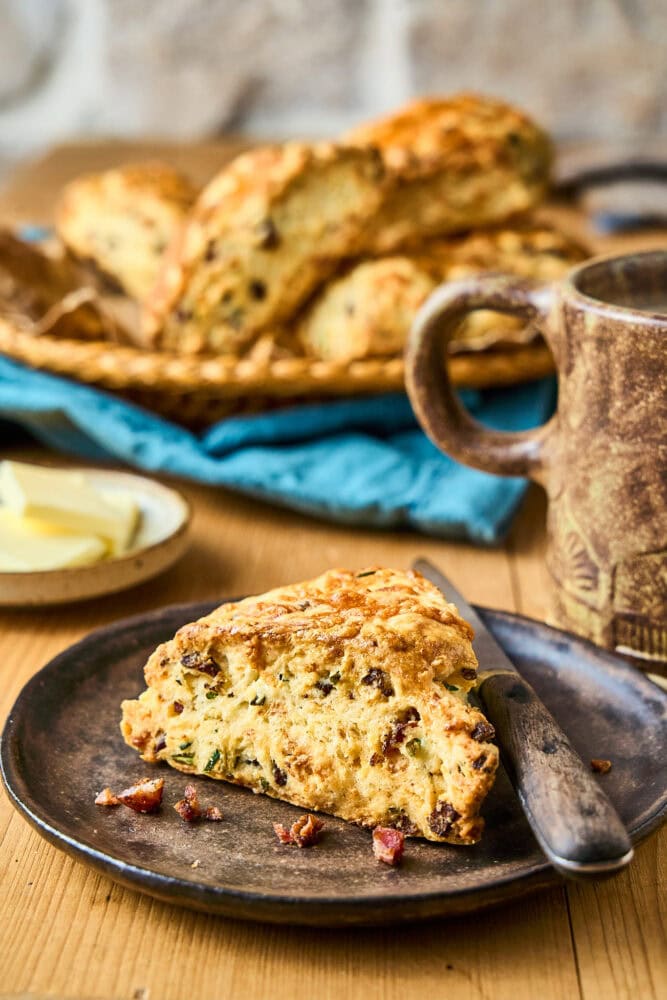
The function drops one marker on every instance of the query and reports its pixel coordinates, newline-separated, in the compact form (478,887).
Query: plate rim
(282,907)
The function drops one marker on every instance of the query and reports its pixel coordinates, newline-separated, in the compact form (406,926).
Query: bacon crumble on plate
(190,810)
(388,845)
(107,798)
(144,797)
(305,832)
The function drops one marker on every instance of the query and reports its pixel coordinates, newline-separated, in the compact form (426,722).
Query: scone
(346,694)
(368,311)
(121,221)
(264,232)
(458,163)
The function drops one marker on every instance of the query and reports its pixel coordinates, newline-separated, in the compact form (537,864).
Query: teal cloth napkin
(357,461)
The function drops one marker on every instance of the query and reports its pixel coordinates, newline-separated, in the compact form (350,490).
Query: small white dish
(160,540)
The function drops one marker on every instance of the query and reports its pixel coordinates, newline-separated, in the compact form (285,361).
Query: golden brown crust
(368,311)
(122,220)
(458,163)
(344,694)
(264,232)
(530,249)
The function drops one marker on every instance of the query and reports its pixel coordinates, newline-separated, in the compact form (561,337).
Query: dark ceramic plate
(62,744)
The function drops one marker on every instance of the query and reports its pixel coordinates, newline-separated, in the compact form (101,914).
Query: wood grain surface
(69,933)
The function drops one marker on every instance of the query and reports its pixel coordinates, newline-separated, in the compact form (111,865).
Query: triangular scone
(122,220)
(456,163)
(345,694)
(264,232)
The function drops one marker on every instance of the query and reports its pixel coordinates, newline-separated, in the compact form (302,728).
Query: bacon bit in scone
(304,833)
(145,796)
(483,731)
(379,679)
(189,808)
(406,826)
(443,818)
(396,734)
(107,798)
(140,741)
(177,707)
(267,234)
(388,845)
(198,661)
(279,776)
(600,766)
(257,290)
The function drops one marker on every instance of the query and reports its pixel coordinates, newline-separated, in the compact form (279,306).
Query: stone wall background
(186,68)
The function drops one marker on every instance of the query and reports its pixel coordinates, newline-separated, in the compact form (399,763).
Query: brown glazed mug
(602,457)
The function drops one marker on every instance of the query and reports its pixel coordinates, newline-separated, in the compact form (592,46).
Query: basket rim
(124,367)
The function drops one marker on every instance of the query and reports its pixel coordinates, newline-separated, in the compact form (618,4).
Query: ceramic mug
(602,457)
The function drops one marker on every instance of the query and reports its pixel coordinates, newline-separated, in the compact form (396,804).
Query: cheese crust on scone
(121,221)
(268,229)
(368,310)
(458,163)
(346,694)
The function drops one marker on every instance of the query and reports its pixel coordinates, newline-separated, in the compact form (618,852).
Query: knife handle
(574,822)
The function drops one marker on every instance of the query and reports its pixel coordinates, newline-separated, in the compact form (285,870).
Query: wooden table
(68,932)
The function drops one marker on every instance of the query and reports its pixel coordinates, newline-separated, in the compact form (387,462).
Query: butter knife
(573,821)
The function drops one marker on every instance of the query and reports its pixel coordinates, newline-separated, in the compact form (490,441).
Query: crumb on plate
(388,845)
(190,810)
(305,832)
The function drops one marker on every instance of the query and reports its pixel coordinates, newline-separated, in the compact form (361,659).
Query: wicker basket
(199,390)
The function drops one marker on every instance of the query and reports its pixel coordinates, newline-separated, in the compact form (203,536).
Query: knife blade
(573,820)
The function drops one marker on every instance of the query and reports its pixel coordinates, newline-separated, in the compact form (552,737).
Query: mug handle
(445,420)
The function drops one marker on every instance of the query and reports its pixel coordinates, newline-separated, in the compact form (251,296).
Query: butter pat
(67,500)
(27,545)
(128,508)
